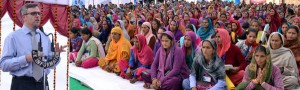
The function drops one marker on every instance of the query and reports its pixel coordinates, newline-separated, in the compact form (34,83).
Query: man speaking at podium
(17,57)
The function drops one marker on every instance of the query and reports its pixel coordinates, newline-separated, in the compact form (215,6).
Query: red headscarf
(143,53)
(224,38)
(239,30)
(272,24)
(253,45)
(275,18)
(78,22)
(150,19)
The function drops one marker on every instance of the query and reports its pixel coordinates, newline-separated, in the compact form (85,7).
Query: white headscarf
(124,30)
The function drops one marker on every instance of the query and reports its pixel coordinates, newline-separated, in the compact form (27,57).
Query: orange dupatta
(118,50)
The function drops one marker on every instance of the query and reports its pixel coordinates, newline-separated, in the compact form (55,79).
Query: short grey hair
(24,8)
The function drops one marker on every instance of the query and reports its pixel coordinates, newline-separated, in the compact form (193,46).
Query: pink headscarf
(78,22)
(115,17)
(193,37)
(225,40)
(149,35)
(142,54)
(297,18)
(230,18)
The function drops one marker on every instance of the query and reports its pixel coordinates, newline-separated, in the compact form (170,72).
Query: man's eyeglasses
(33,13)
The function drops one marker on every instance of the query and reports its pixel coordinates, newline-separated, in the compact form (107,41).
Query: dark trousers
(27,83)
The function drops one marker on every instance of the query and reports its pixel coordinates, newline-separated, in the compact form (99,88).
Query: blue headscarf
(104,33)
(203,33)
(280,30)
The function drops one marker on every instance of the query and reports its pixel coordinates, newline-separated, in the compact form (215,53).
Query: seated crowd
(192,46)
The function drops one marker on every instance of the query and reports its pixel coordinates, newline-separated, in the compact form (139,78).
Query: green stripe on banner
(76,85)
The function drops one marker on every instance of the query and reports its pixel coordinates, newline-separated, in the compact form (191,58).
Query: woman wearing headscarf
(192,28)
(206,30)
(119,23)
(119,49)
(149,16)
(130,16)
(284,59)
(140,61)
(115,17)
(156,24)
(76,23)
(147,32)
(248,46)
(293,43)
(138,28)
(236,28)
(157,42)
(229,16)
(94,22)
(173,27)
(219,24)
(189,47)
(129,27)
(282,16)
(168,68)
(275,17)
(272,24)
(231,55)
(261,74)
(222,18)
(196,14)
(244,18)
(187,20)
(90,50)
(296,21)
(122,26)
(208,70)
(283,28)
(105,31)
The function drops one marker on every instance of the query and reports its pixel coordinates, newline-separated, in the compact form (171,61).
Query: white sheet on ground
(99,79)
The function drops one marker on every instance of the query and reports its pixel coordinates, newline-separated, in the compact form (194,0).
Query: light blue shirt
(16,46)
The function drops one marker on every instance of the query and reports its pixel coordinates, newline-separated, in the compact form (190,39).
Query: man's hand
(29,56)
(60,48)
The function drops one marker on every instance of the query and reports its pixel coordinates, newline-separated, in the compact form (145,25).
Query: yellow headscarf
(118,50)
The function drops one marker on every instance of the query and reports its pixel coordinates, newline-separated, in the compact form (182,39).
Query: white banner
(61,2)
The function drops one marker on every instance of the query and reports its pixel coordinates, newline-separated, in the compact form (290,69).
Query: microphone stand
(45,61)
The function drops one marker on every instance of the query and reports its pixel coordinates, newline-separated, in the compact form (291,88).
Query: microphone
(40,48)
(45,61)
(52,42)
